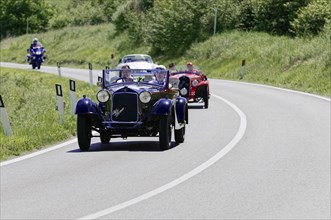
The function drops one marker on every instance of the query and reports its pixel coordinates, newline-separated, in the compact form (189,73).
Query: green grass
(301,64)
(29,98)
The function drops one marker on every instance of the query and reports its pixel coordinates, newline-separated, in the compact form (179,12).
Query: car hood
(138,65)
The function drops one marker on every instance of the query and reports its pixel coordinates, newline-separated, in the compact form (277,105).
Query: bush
(313,18)
(14,15)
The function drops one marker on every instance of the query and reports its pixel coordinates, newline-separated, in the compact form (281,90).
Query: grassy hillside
(29,98)
(301,64)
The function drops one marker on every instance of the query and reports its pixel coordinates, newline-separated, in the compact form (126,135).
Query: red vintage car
(193,85)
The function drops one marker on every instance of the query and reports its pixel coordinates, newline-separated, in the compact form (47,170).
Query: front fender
(86,106)
(181,110)
(162,107)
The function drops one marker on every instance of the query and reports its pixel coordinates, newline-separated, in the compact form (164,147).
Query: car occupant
(160,75)
(126,74)
(172,68)
(191,68)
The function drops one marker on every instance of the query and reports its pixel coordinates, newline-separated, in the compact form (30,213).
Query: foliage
(313,18)
(15,14)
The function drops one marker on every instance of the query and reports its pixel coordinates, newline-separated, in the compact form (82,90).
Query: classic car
(137,106)
(137,61)
(193,85)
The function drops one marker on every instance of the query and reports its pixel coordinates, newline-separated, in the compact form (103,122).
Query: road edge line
(239,135)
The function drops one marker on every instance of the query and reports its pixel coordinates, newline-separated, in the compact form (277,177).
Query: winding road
(258,152)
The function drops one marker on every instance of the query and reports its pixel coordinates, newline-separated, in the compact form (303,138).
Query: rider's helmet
(34,40)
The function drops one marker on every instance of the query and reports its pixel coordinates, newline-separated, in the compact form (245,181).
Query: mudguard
(181,110)
(86,106)
(162,107)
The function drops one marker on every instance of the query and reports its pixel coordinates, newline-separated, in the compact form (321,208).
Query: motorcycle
(36,56)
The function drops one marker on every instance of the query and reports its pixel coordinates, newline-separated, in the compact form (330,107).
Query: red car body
(193,85)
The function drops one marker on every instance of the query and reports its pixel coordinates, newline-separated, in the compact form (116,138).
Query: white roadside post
(4,119)
(72,96)
(242,71)
(60,102)
(91,77)
(59,68)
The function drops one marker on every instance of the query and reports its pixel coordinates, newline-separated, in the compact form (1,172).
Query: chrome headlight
(195,83)
(145,97)
(103,96)
(183,91)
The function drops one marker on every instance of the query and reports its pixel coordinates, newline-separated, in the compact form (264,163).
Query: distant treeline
(170,26)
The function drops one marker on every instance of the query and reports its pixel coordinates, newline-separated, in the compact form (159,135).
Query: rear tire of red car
(180,135)
(206,97)
(84,132)
(165,130)
(105,137)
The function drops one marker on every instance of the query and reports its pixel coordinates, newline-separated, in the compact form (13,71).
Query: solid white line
(197,170)
(277,88)
(38,152)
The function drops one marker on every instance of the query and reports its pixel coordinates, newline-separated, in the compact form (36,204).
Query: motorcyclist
(35,44)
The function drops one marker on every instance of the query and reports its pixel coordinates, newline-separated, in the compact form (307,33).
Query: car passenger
(160,75)
(172,68)
(191,68)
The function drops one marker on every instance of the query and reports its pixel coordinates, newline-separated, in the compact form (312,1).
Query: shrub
(313,18)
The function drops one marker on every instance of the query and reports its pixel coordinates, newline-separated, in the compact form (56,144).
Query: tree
(14,15)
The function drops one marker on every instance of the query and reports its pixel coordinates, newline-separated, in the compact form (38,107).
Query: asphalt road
(257,153)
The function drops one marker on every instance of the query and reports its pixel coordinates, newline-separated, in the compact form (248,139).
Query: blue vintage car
(137,102)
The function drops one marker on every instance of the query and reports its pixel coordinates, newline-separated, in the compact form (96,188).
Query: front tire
(84,132)
(180,135)
(206,97)
(105,137)
(165,130)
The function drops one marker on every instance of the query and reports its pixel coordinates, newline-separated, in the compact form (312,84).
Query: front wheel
(84,132)
(206,97)
(105,137)
(165,129)
(180,135)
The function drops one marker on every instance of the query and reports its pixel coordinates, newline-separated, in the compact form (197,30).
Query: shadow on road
(146,146)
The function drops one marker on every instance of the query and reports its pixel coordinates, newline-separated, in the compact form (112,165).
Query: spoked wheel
(84,132)
(205,97)
(105,137)
(165,130)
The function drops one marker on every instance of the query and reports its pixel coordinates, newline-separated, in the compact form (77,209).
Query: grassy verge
(30,103)
(301,64)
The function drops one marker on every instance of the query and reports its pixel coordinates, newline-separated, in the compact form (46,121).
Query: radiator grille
(125,107)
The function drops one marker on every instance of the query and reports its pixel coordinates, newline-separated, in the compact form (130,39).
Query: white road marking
(282,89)
(192,173)
(38,152)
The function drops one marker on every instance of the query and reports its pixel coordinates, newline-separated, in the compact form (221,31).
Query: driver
(126,74)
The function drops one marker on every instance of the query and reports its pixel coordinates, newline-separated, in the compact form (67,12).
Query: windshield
(184,69)
(116,77)
(137,58)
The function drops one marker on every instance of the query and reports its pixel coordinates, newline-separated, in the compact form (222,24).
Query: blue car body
(140,107)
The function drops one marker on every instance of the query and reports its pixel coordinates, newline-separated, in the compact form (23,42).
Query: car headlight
(183,91)
(145,97)
(103,96)
(195,83)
